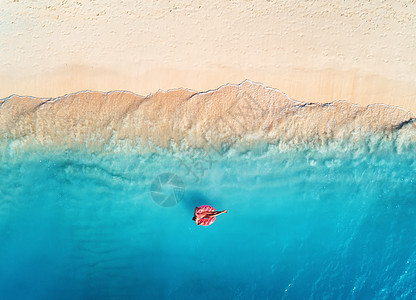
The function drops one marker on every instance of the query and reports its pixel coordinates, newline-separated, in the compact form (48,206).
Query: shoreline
(242,115)
(167,91)
(311,86)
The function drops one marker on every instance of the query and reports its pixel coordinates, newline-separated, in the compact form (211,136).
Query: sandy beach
(313,51)
(122,120)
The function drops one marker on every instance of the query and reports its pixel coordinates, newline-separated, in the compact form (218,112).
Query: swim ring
(206,221)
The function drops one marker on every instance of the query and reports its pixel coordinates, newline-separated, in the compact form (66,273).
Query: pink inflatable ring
(205,221)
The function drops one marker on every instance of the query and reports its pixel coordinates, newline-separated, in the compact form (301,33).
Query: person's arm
(215,213)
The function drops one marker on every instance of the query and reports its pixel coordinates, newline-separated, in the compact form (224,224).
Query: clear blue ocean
(300,225)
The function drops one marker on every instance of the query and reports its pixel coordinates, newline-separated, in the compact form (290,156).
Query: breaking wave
(237,117)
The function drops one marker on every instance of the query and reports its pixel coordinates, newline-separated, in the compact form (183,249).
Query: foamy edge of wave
(48,99)
(177,120)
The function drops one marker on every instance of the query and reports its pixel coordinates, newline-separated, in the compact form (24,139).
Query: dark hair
(193,219)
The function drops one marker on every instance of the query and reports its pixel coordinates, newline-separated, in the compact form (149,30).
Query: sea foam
(231,117)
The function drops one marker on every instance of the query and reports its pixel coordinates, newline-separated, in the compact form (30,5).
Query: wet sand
(239,116)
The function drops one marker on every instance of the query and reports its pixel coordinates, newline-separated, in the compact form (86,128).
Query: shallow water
(299,225)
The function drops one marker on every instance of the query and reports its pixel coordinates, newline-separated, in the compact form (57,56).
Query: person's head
(194,218)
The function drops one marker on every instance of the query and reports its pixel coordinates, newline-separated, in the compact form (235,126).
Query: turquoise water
(299,225)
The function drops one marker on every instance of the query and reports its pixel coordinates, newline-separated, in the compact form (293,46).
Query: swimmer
(205,215)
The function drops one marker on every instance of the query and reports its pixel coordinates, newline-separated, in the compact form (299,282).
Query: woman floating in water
(205,215)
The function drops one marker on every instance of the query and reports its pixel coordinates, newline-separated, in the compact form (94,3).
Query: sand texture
(314,51)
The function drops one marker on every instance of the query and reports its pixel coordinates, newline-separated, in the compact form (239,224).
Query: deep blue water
(299,226)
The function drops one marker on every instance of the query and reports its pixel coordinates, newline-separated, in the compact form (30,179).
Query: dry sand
(319,51)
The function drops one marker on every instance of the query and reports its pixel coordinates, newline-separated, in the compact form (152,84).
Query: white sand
(322,51)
